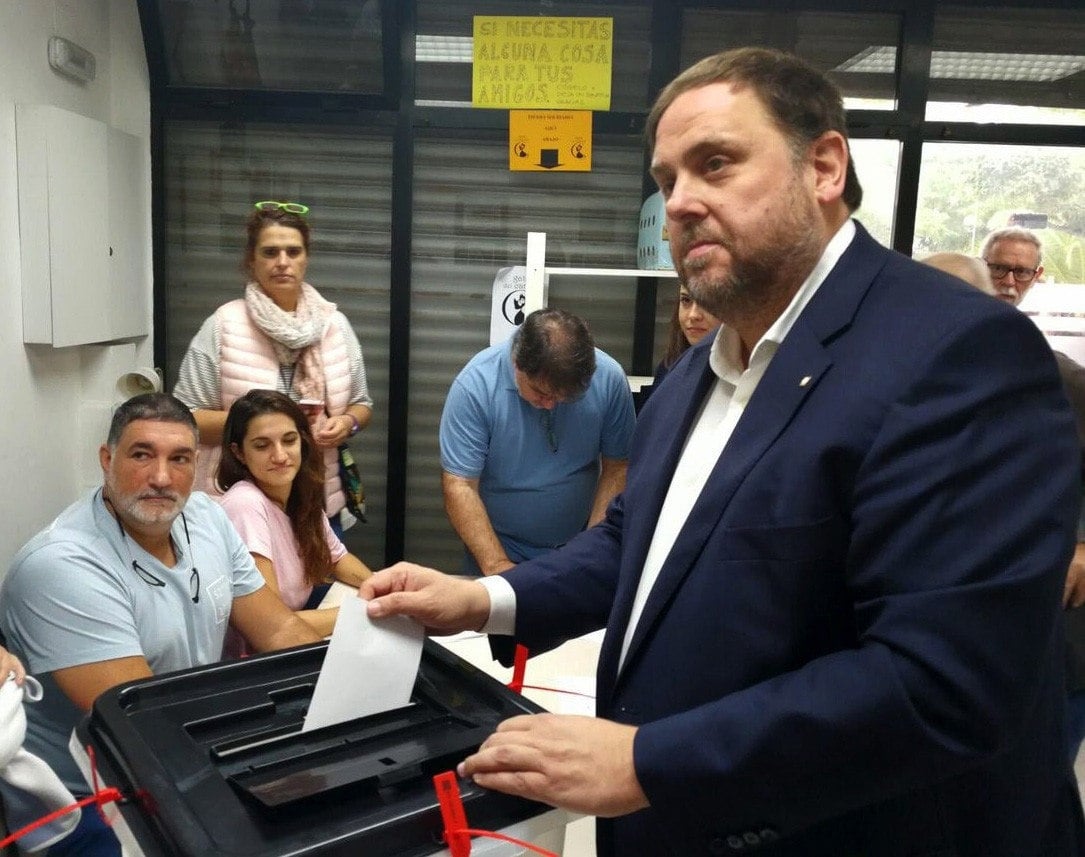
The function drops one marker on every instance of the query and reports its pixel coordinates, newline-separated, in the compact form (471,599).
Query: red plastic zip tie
(104,796)
(452,814)
(94,783)
(457,835)
(519,667)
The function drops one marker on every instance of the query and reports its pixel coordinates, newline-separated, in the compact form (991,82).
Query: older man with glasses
(1012,255)
(138,578)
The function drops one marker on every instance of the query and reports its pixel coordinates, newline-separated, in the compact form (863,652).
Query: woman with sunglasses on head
(271,474)
(281,335)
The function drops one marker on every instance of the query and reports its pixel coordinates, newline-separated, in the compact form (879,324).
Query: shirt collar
(725,357)
(509,379)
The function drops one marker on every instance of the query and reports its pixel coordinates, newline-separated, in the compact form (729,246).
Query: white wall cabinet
(82,198)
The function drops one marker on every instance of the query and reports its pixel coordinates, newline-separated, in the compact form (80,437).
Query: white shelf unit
(537,286)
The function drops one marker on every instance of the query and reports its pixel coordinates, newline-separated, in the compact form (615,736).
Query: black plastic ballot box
(214,762)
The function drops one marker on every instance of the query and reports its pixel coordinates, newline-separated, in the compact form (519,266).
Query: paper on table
(369,667)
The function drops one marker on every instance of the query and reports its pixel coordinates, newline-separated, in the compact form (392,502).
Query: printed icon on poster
(507,303)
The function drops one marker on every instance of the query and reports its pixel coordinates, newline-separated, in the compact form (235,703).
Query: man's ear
(105,457)
(829,157)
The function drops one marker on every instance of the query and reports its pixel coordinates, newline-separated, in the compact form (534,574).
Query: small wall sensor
(70,59)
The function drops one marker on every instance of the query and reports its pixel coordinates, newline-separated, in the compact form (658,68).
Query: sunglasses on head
(273,205)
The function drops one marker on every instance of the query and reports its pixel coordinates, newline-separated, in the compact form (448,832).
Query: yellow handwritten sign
(550,140)
(548,63)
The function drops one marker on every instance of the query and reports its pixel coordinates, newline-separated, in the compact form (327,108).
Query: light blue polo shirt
(537,497)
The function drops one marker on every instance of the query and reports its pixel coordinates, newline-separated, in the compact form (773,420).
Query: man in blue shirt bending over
(534,440)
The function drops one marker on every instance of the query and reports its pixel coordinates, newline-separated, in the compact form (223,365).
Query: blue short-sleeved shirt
(536,498)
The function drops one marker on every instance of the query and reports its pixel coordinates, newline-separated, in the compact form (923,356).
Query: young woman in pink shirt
(272,476)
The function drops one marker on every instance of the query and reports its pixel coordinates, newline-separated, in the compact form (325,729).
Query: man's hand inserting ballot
(583,764)
(443,604)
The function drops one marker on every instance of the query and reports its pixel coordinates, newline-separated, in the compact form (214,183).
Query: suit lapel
(791,377)
(695,379)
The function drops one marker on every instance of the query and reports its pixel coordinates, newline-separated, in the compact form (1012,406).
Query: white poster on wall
(507,306)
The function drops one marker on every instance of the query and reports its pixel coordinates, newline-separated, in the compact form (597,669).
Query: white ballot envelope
(370,666)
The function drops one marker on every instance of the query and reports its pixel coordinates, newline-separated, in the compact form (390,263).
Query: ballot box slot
(252,740)
(287,737)
(229,720)
(281,713)
(259,751)
(230,744)
(378,760)
(293,693)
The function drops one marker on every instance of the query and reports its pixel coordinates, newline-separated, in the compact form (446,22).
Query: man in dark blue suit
(832,584)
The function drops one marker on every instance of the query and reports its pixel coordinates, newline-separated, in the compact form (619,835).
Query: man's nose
(160,473)
(683,201)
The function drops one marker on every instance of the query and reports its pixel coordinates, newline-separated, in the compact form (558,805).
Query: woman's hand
(334,430)
(313,410)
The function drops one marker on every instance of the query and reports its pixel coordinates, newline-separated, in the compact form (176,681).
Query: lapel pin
(805,380)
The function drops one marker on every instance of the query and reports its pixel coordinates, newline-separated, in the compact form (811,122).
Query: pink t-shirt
(265,529)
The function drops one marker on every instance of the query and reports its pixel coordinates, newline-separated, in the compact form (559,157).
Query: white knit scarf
(294,336)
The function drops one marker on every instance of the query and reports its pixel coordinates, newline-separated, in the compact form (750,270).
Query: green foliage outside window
(968,190)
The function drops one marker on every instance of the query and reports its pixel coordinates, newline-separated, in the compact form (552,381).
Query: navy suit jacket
(854,646)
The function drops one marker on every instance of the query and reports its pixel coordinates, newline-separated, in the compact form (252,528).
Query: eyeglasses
(272,205)
(152,579)
(1022,275)
(548,427)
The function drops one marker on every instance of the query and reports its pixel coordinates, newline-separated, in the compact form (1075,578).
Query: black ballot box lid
(213,761)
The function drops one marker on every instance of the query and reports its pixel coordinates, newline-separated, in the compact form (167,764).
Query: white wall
(55,402)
